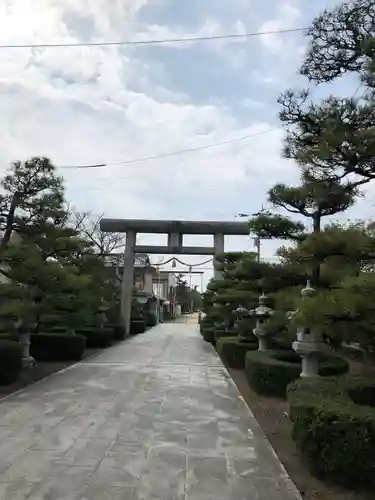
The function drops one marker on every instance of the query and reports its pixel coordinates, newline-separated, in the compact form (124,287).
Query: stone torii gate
(175,231)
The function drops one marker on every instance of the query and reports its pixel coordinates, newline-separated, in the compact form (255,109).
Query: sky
(93,105)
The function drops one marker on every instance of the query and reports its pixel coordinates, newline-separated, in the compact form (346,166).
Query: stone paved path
(156,417)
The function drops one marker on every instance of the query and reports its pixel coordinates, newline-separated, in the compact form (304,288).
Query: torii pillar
(128,279)
(219,242)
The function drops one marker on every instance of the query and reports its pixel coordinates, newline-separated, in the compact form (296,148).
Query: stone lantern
(309,344)
(23,332)
(240,313)
(102,309)
(262,314)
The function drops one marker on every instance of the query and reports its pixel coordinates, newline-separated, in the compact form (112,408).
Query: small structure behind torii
(175,231)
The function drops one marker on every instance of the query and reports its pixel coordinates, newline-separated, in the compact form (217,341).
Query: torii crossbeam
(175,231)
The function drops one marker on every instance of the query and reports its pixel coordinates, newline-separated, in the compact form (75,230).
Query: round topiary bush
(10,361)
(233,350)
(334,427)
(270,372)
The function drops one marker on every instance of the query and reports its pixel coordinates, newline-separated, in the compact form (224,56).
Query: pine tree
(335,139)
(31,192)
(312,200)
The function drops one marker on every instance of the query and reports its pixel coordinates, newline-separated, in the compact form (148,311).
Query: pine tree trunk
(317,218)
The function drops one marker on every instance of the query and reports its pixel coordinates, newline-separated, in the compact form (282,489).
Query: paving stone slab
(155,417)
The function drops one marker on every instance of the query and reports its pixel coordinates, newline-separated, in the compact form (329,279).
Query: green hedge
(205,323)
(10,361)
(219,334)
(270,372)
(119,332)
(53,329)
(8,336)
(334,427)
(151,319)
(137,326)
(233,350)
(96,338)
(57,347)
(208,334)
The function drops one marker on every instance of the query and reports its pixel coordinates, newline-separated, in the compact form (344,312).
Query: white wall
(148,283)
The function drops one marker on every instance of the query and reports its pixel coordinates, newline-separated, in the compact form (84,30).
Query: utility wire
(150,42)
(189,150)
(173,153)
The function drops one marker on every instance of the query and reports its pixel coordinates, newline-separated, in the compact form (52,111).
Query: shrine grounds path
(156,417)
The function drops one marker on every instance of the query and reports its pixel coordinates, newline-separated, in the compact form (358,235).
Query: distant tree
(188,297)
(88,224)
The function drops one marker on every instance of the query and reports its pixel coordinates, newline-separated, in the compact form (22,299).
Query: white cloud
(288,17)
(74,105)
(253,103)
(90,105)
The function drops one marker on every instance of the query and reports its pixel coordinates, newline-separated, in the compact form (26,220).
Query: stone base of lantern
(28,363)
(27,360)
(263,345)
(310,353)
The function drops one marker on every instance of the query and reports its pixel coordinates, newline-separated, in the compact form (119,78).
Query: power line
(173,153)
(189,150)
(151,42)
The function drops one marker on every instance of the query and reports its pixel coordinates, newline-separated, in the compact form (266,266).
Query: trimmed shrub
(137,326)
(119,332)
(334,427)
(205,323)
(233,350)
(209,334)
(270,372)
(151,319)
(57,347)
(333,366)
(96,338)
(8,336)
(10,361)
(54,329)
(220,333)
(279,344)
